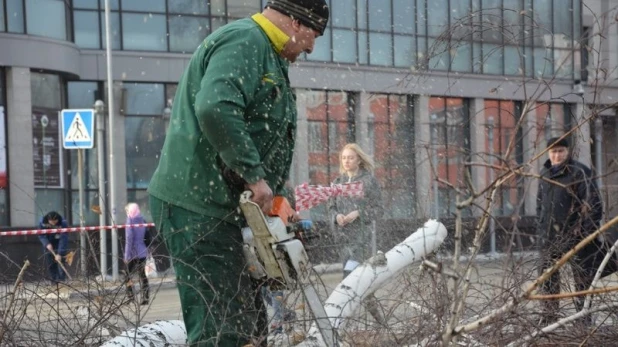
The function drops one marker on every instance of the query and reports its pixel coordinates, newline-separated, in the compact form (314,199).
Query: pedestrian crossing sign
(77,128)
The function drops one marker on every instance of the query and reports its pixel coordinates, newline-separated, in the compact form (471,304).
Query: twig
(9,308)
(440,269)
(572,294)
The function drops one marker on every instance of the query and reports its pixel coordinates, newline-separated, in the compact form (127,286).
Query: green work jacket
(234,112)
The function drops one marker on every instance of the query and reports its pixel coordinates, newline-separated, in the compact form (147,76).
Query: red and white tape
(71,229)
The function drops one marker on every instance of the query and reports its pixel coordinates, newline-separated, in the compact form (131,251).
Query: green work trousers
(220,303)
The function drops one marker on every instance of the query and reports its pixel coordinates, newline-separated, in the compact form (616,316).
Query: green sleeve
(232,74)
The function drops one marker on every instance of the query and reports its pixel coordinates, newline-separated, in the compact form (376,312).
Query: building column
(299,172)
(119,155)
(532,145)
(20,147)
(478,145)
(582,136)
(363,122)
(423,146)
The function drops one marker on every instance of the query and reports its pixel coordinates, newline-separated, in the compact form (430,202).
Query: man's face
(53,221)
(302,40)
(558,154)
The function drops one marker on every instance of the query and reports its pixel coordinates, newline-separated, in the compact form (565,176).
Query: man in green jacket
(233,128)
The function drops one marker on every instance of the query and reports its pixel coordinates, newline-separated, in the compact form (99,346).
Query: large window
(391,129)
(4,203)
(157,25)
(450,129)
(501,118)
(330,119)
(504,37)
(145,127)
(49,179)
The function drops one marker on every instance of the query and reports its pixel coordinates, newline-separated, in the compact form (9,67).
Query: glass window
(87,29)
(90,198)
(361,14)
(186,33)
(113,5)
(2,21)
(512,61)
(461,57)
(345,49)
(144,32)
(187,6)
(493,58)
(144,140)
(451,141)
(403,17)
(217,7)
(380,16)
(89,4)
(145,98)
(421,18)
(15,16)
(141,5)
(114,20)
(38,15)
(392,119)
(322,48)
(342,14)
(404,51)
(47,200)
(505,115)
(45,90)
(82,94)
(330,128)
(381,49)
(243,8)
(363,48)
(437,17)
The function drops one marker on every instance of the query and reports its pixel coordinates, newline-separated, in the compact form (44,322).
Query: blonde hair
(365,162)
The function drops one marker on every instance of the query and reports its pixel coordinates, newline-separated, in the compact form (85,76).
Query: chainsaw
(276,256)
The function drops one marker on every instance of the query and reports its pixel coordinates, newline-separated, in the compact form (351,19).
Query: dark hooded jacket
(357,235)
(569,206)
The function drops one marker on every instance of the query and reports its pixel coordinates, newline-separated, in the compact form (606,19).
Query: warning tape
(71,229)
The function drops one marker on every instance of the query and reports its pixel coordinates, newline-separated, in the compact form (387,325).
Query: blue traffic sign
(78,128)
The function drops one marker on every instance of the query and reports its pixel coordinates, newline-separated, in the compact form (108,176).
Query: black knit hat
(557,142)
(311,13)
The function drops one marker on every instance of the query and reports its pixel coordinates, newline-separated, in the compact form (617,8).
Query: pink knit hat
(132,210)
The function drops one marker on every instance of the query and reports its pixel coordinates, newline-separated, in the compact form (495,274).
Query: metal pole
(110,130)
(492,221)
(99,107)
(598,147)
(82,233)
(374,239)
(434,158)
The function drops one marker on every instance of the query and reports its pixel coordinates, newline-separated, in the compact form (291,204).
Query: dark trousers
(56,274)
(137,266)
(220,304)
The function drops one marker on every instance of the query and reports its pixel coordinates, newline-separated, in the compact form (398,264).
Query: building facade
(421,85)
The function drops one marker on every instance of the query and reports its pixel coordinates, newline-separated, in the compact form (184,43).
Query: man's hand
(50,248)
(58,258)
(262,195)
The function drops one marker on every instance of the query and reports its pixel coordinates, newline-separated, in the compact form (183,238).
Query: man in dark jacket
(233,128)
(54,245)
(569,208)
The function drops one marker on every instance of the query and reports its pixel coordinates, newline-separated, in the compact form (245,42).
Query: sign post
(78,133)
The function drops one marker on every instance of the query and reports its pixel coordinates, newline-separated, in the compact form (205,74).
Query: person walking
(135,253)
(569,208)
(354,217)
(54,246)
(232,128)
